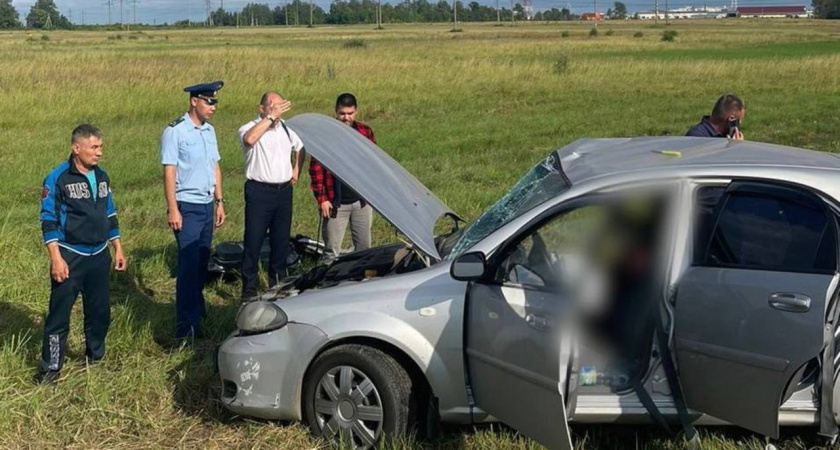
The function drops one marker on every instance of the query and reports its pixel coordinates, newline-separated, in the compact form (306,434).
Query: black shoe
(49,377)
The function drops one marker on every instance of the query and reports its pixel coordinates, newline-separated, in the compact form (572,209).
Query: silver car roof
(390,189)
(586,159)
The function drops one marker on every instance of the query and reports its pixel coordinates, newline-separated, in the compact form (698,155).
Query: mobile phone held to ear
(333,212)
(734,125)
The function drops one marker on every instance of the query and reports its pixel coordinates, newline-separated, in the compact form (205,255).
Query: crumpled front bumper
(262,375)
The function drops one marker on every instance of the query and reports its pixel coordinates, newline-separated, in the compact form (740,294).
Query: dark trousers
(268,207)
(194,240)
(88,275)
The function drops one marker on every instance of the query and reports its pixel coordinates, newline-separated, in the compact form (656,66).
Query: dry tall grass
(467,113)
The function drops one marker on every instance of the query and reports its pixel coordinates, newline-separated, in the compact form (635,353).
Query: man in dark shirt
(337,202)
(725,120)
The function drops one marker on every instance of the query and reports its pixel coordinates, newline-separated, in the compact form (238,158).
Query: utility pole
(666,13)
(311,3)
(512,13)
(498,13)
(378,14)
(109,2)
(455,13)
(286,12)
(209,20)
(297,12)
(656,12)
(134,11)
(595,12)
(122,21)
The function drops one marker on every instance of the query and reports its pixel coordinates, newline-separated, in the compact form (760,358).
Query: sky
(170,11)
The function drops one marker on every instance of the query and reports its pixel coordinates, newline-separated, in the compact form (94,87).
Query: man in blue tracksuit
(192,181)
(78,218)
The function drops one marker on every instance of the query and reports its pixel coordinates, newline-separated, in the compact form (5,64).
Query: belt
(270,185)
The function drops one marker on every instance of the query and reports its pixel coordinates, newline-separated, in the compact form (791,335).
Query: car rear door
(751,309)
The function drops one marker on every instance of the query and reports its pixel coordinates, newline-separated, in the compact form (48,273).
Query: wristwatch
(220,200)
(271,118)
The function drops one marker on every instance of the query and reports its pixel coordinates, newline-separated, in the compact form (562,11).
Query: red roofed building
(772,11)
(591,16)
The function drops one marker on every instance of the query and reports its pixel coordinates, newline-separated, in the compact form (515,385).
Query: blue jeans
(194,240)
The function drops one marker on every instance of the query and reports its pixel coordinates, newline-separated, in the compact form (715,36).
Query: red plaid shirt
(322,181)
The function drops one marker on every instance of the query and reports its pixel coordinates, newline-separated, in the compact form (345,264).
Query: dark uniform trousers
(88,275)
(194,240)
(268,207)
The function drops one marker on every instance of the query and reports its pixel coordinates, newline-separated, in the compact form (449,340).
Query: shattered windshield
(541,183)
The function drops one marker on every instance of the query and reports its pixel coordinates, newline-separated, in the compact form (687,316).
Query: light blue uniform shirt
(195,152)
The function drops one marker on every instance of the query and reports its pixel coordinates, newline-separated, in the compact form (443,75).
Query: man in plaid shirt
(337,202)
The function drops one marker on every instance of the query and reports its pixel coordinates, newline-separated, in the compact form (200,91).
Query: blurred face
(202,107)
(739,116)
(270,102)
(87,151)
(346,114)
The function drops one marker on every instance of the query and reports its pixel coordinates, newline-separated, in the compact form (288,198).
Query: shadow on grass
(195,381)
(15,323)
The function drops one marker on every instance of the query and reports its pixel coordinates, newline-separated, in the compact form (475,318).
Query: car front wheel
(356,395)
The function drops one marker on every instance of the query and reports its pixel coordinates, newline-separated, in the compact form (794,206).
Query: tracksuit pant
(268,207)
(194,240)
(88,276)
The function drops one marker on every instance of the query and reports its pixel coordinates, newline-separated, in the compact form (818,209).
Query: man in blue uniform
(78,218)
(192,181)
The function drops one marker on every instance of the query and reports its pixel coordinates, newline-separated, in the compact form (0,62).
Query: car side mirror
(469,267)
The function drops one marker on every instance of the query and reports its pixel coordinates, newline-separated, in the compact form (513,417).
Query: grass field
(467,113)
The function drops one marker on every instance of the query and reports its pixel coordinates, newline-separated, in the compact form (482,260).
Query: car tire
(358,395)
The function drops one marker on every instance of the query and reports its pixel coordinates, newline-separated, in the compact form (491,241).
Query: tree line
(348,12)
(45,15)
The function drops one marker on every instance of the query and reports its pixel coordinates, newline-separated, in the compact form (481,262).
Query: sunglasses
(208,100)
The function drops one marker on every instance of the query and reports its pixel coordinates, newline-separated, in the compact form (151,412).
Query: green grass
(467,113)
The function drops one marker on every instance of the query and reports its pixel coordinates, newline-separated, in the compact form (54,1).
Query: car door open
(517,349)
(751,310)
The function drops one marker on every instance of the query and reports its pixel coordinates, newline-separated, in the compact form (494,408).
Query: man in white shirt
(270,149)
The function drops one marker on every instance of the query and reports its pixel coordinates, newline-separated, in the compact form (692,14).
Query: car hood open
(390,189)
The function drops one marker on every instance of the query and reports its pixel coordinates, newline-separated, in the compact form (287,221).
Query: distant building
(688,12)
(591,16)
(772,11)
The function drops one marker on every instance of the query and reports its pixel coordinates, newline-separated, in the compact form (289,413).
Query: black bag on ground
(227,257)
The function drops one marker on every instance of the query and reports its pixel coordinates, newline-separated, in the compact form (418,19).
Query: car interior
(617,329)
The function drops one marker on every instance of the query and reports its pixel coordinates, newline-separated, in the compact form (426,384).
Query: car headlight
(259,317)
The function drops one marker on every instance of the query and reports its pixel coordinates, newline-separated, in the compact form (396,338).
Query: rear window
(764,232)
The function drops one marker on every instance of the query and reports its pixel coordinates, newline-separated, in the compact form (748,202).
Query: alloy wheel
(348,407)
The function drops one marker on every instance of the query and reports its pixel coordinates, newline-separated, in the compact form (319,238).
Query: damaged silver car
(648,280)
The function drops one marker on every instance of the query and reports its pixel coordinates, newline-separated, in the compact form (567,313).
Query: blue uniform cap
(207,90)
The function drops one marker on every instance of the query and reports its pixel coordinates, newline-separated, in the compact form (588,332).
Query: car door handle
(539,322)
(790,302)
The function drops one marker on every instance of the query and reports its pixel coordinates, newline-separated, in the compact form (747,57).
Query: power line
(109,2)
(134,11)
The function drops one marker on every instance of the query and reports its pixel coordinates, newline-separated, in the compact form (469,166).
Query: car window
(706,201)
(764,232)
(553,249)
